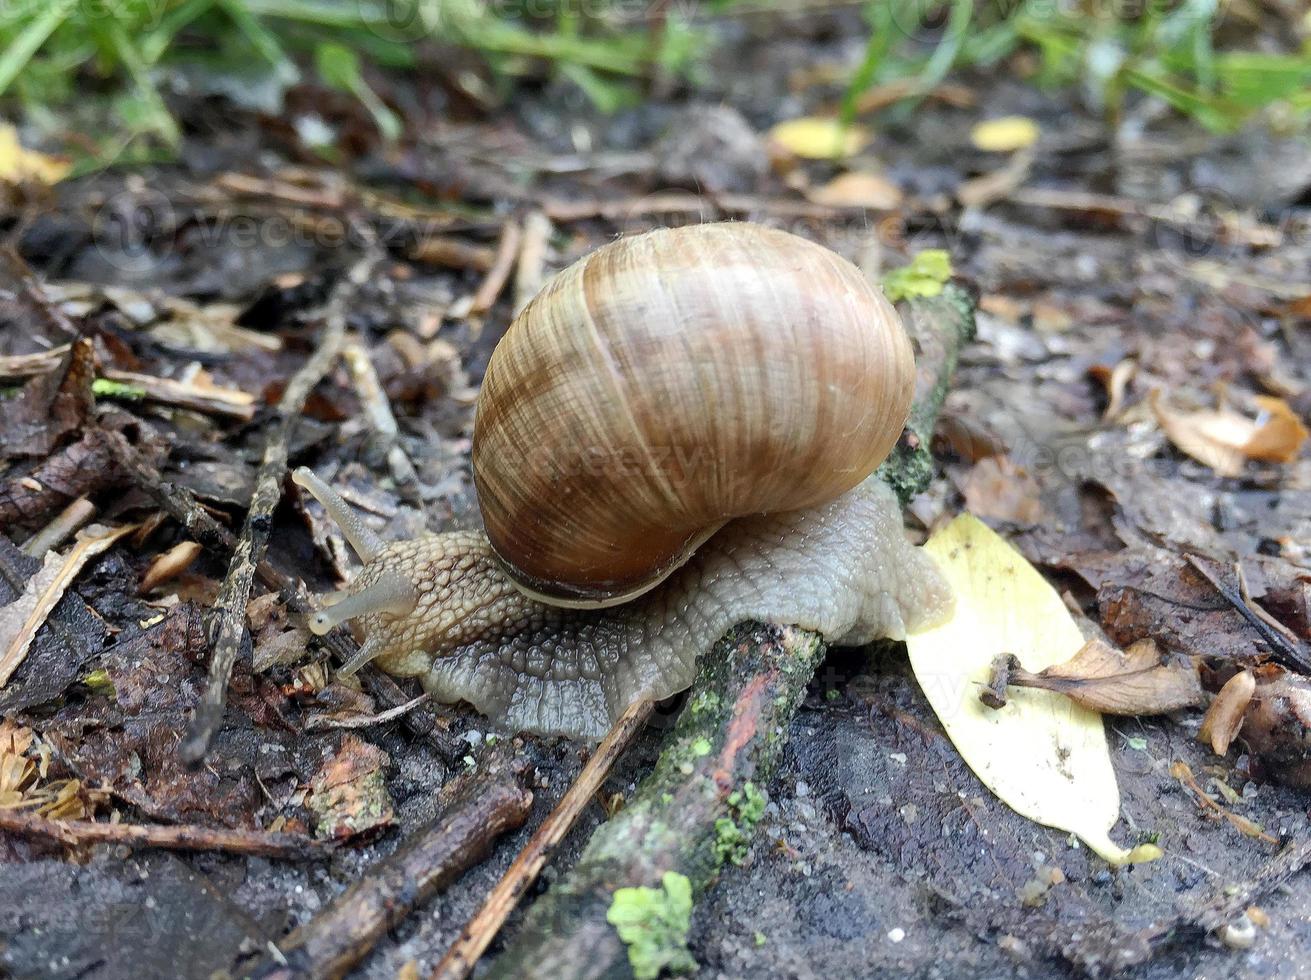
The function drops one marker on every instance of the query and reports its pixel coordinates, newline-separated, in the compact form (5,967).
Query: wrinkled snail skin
(843,568)
(677,435)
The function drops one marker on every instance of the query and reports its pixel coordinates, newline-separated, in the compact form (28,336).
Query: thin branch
(500,902)
(483,805)
(229,622)
(79,833)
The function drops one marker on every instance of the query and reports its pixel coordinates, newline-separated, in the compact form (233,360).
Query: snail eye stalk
(365,543)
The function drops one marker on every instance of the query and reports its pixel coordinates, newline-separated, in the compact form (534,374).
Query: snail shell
(673,381)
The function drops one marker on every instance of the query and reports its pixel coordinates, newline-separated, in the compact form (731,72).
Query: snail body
(678,434)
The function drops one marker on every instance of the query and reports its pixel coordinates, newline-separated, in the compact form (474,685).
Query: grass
(55,52)
(1168,50)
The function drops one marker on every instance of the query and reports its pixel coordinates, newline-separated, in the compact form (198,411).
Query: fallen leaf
(996,185)
(20,619)
(926,274)
(858,189)
(818,137)
(1137,681)
(1116,381)
(1222,721)
(997,488)
(1224,439)
(19,165)
(349,794)
(1005,134)
(170,564)
(1041,754)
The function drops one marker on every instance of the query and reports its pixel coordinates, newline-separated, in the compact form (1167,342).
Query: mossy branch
(698,808)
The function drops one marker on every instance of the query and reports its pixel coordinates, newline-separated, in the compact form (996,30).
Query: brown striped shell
(670,382)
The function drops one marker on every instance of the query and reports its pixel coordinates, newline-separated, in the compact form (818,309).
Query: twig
(378,411)
(451,252)
(229,619)
(77,833)
(529,272)
(483,805)
(318,721)
(698,808)
(213,399)
(507,250)
(57,531)
(500,902)
(15,366)
(1231,227)
(683,202)
(939,327)
(1290,651)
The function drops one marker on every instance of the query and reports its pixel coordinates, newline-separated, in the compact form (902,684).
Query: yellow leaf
(858,190)
(1041,754)
(818,137)
(1005,135)
(19,165)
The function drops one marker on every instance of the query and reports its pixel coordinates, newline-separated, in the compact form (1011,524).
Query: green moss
(105,388)
(653,924)
(926,275)
(733,833)
(99,682)
(701,747)
(703,703)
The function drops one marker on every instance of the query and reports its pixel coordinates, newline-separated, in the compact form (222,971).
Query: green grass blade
(29,41)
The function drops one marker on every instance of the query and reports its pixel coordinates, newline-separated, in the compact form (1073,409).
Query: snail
(677,434)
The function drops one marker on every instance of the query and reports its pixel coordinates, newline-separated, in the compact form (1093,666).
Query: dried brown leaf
(1225,440)
(1224,718)
(998,489)
(858,189)
(1136,681)
(170,564)
(20,620)
(349,794)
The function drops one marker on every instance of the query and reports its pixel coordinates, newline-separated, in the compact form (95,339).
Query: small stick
(500,902)
(211,399)
(16,366)
(57,531)
(529,273)
(682,202)
(378,411)
(319,721)
(1291,653)
(77,833)
(482,806)
(229,622)
(507,250)
(452,252)
(180,504)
